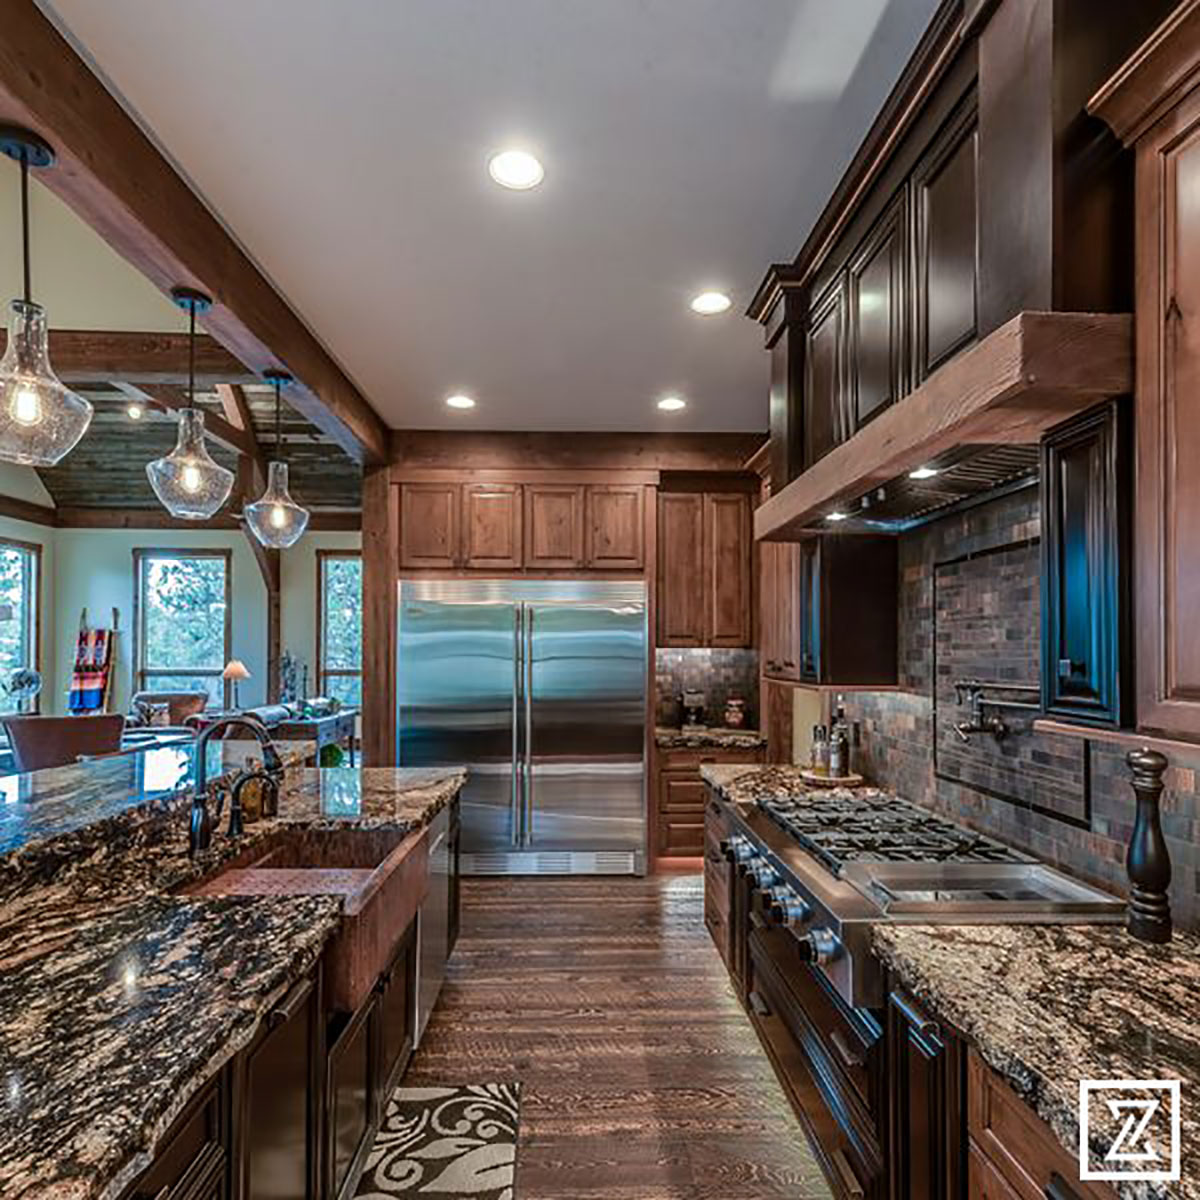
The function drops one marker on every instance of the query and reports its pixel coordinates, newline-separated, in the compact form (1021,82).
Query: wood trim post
(381,572)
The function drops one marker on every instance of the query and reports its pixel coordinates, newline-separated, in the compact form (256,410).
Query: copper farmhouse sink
(382,877)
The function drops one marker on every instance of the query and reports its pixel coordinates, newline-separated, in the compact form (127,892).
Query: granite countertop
(119,998)
(1050,1005)
(747,783)
(713,737)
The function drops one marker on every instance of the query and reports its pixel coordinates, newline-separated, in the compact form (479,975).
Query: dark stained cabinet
(878,359)
(780,616)
(927,1082)
(493,526)
(1085,668)
(945,204)
(614,529)
(429,525)
(681,569)
(825,374)
(351,1097)
(553,526)
(808,610)
(396,1015)
(281,1093)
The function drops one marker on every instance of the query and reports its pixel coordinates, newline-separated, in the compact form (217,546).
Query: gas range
(828,866)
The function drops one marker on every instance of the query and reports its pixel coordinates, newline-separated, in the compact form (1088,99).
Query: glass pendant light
(187,481)
(41,420)
(276,519)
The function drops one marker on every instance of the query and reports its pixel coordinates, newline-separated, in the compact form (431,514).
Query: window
(182,622)
(20,569)
(339,625)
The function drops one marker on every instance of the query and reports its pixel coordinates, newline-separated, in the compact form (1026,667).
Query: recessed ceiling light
(134,412)
(837,516)
(708,304)
(516,169)
(458,400)
(923,473)
(672,403)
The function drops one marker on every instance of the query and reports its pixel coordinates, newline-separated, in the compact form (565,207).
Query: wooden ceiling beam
(77,517)
(114,177)
(237,413)
(93,356)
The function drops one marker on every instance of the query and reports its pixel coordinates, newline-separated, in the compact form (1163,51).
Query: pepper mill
(1147,860)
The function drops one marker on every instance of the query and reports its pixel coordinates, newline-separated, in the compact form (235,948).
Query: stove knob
(787,908)
(761,872)
(820,946)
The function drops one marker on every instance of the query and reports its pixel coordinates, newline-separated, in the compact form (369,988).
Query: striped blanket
(89,679)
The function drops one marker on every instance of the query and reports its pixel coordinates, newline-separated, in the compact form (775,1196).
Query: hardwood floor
(641,1077)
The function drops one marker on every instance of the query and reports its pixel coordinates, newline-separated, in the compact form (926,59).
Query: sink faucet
(200,834)
(978,723)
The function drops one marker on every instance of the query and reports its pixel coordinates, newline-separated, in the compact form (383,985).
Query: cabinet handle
(917,1019)
(756,919)
(291,1004)
(1059,1189)
(759,1005)
(844,1052)
(849,1180)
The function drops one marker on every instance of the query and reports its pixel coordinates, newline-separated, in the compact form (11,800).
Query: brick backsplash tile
(970,607)
(720,674)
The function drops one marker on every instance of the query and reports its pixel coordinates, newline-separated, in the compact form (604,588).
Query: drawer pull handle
(846,1171)
(759,1005)
(921,1024)
(756,919)
(844,1052)
(1059,1189)
(291,1004)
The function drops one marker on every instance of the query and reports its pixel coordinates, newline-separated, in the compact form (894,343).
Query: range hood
(977,420)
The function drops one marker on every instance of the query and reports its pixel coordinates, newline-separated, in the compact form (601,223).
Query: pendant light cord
(25,222)
(192,354)
(278,436)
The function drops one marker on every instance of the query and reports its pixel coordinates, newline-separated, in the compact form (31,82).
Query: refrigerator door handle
(528,656)
(518,803)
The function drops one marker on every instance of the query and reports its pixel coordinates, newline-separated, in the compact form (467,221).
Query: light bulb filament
(191,478)
(278,516)
(27,406)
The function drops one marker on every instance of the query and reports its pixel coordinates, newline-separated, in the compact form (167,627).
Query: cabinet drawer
(717,925)
(193,1159)
(984,1182)
(682,792)
(680,836)
(1017,1143)
(674,760)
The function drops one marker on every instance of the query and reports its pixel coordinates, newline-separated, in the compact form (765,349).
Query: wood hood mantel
(1030,374)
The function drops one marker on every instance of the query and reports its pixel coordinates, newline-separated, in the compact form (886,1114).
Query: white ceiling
(687,143)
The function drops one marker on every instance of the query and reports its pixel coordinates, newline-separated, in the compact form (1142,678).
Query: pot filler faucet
(201,831)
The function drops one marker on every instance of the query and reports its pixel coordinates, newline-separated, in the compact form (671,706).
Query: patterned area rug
(456,1143)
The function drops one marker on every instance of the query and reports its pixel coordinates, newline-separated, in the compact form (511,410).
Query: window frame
(34,549)
(324,556)
(142,675)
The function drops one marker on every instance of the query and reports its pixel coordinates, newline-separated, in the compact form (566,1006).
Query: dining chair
(41,742)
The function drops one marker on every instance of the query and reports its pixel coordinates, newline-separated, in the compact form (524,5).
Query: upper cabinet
(512,526)
(824,416)
(1153,104)
(705,571)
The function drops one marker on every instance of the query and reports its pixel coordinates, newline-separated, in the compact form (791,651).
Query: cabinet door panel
(947,242)
(1168,434)
(808,602)
(683,792)
(728,558)
(351,1099)
(614,529)
(877,308)
(824,374)
(681,569)
(492,526)
(553,525)
(429,525)
(396,1016)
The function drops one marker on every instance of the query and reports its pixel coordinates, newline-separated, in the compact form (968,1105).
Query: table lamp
(235,669)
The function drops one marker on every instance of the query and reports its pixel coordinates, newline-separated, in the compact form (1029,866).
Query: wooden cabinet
(554,526)
(824,422)
(705,565)
(1085,481)
(878,296)
(351,1096)
(926,1080)
(614,530)
(396,1015)
(429,525)
(681,570)
(282,1089)
(945,204)
(682,795)
(717,876)
(1012,1147)
(833,621)
(493,526)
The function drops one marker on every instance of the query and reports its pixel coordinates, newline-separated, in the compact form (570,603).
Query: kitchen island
(121,999)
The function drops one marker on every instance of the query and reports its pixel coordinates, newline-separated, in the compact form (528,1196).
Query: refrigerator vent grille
(601,862)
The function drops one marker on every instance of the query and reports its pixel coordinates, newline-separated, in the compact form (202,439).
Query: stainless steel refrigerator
(538,688)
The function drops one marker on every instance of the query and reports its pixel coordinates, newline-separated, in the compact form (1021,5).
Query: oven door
(828,1057)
